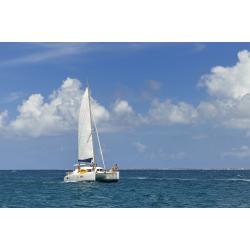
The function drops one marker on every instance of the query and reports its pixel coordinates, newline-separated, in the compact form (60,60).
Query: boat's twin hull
(92,176)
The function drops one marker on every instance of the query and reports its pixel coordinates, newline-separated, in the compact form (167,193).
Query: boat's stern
(108,176)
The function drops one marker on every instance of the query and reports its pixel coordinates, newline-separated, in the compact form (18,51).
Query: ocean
(136,189)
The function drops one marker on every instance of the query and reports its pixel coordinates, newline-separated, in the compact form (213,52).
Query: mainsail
(85,138)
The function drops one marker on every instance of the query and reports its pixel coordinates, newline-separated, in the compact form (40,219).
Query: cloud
(230,91)
(38,117)
(237,113)
(228,106)
(100,113)
(122,117)
(121,107)
(242,152)
(229,82)
(44,52)
(141,148)
(166,113)
(232,113)
(59,114)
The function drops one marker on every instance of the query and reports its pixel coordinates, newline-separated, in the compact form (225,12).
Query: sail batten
(85,137)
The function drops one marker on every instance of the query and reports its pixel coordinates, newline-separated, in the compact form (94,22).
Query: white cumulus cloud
(166,112)
(228,106)
(230,91)
(122,117)
(100,113)
(229,82)
(121,107)
(59,114)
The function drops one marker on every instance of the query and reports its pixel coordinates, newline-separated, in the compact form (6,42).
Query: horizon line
(139,169)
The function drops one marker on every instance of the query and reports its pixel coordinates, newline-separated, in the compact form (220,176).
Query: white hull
(76,177)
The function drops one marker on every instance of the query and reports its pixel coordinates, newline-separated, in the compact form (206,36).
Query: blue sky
(158,105)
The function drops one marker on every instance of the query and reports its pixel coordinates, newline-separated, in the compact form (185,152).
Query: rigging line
(99,143)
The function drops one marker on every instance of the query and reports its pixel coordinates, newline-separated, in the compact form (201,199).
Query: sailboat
(86,169)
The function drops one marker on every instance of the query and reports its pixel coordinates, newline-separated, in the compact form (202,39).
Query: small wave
(143,178)
(234,179)
(183,179)
(139,178)
(69,181)
(160,178)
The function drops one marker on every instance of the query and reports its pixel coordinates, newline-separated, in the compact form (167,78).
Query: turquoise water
(135,189)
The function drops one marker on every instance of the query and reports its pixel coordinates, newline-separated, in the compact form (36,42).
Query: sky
(157,105)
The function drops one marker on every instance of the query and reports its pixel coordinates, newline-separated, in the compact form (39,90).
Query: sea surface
(136,189)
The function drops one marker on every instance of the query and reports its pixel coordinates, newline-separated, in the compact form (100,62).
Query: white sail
(85,138)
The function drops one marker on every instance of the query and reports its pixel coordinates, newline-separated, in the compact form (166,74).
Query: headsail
(85,138)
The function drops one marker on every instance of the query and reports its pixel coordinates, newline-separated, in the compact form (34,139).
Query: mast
(91,119)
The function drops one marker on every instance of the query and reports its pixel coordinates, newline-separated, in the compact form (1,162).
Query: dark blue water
(135,189)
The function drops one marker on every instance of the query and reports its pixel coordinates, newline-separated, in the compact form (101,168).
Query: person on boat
(94,165)
(115,167)
(78,168)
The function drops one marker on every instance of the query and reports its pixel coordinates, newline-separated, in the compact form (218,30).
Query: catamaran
(86,169)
